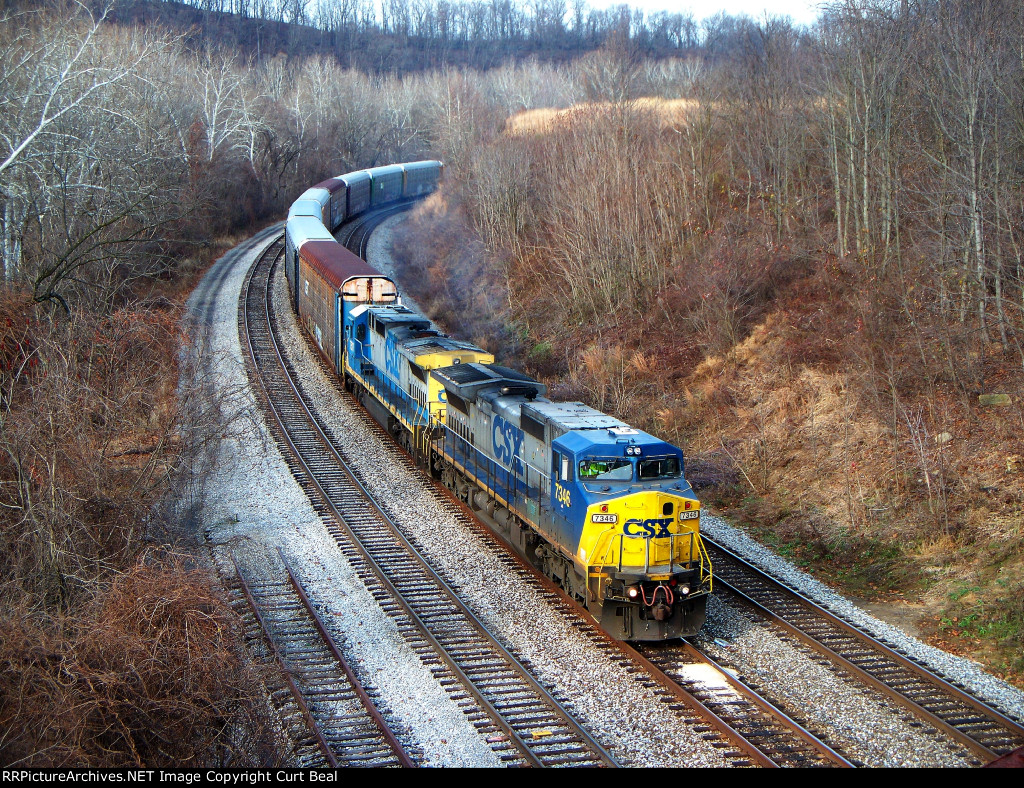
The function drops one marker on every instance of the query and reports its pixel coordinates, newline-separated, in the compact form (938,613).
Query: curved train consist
(600,507)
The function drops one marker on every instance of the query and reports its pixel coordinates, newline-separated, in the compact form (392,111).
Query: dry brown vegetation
(809,280)
(114,652)
(800,259)
(147,672)
(545,120)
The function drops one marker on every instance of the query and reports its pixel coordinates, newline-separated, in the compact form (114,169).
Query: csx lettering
(648,528)
(507,440)
(562,495)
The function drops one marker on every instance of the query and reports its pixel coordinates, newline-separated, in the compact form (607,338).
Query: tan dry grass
(541,121)
(798,428)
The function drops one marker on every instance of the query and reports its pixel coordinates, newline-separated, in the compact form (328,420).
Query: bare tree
(49,70)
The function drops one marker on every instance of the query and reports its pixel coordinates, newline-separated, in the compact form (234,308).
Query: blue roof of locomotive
(605,443)
(611,443)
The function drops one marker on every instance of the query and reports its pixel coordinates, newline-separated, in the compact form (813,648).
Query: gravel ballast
(252,505)
(958,670)
(867,728)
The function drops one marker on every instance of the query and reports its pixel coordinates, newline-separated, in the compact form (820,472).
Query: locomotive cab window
(560,466)
(659,468)
(606,469)
(361,333)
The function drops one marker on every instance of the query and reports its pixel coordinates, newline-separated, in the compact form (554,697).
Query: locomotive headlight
(632,591)
(684,590)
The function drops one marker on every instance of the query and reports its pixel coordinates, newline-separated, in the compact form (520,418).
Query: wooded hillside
(805,267)
(797,253)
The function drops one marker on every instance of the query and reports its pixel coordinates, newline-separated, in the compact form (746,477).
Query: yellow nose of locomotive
(648,532)
(646,565)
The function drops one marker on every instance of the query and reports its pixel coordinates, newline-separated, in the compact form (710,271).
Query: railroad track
(951,710)
(341,719)
(749,729)
(780,738)
(524,722)
(355,235)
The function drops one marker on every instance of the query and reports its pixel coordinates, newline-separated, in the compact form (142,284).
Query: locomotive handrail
(647,550)
(705,560)
(479,458)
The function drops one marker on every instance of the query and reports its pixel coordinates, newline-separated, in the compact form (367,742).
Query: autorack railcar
(386,184)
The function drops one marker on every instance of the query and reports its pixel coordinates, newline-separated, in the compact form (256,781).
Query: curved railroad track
(749,729)
(355,235)
(340,718)
(524,722)
(983,730)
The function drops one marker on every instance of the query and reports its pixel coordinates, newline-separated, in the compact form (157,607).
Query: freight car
(600,507)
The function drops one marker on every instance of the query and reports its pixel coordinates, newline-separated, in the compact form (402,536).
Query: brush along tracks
(949,709)
(335,714)
(524,723)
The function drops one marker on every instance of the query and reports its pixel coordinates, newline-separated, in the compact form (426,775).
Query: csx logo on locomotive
(648,528)
(507,439)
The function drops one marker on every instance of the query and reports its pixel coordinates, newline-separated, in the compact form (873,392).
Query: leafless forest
(795,252)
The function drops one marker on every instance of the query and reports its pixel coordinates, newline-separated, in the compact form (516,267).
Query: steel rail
(470,686)
(670,685)
(635,655)
(357,685)
(499,720)
(766,707)
(300,701)
(977,747)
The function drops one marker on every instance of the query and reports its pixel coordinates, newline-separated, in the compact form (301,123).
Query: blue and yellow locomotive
(600,507)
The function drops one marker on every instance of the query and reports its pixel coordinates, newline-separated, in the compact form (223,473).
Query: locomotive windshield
(606,469)
(659,468)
